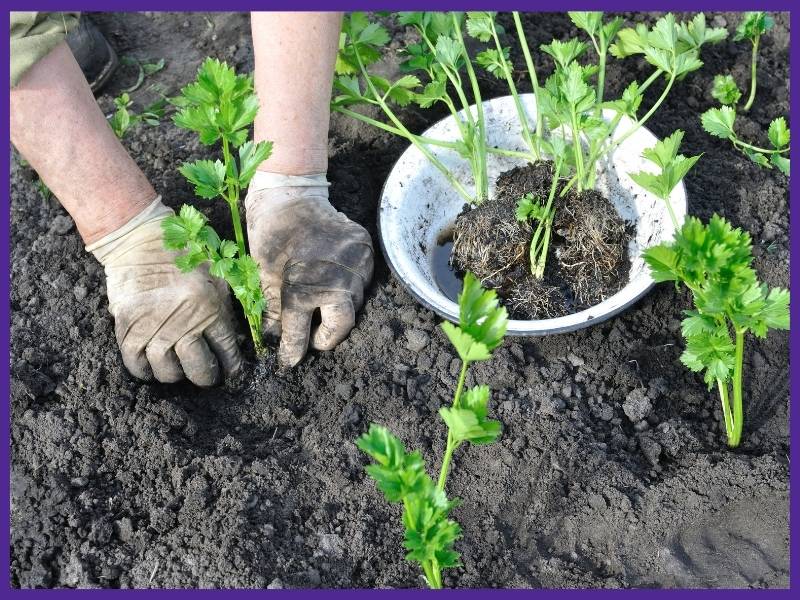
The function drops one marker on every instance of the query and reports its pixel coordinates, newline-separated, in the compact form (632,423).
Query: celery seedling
(441,57)
(430,534)
(752,27)
(220,106)
(714,262)
(719,122)
(725,90)
(531,209)
(124,119)
(673,168)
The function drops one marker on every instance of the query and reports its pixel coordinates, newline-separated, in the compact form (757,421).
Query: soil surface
(587,257)
(611,471)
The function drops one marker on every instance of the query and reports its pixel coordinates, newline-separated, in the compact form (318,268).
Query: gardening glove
(168,324)
(311,257)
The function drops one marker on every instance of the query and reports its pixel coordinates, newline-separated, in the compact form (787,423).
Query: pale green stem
(531,71)
(394,130)
(739,143)
(408,135)
(451,443)
(722,386)
(483,188)
(738,409)
(521,114)
(753,79)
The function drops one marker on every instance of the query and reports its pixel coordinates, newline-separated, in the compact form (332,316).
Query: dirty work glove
(168,324)
(311,257)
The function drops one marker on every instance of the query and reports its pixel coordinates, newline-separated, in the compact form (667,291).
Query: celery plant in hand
(714,262)
(752,27)
(430,534)
(220,106)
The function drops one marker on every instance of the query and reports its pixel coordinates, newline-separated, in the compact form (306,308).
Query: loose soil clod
(588,256)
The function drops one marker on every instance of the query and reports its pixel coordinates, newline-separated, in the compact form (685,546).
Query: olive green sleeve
(34,35)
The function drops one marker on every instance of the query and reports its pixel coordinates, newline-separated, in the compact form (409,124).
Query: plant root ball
(587,259)
(595,253)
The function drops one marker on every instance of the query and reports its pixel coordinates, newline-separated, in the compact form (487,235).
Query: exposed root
(586,263)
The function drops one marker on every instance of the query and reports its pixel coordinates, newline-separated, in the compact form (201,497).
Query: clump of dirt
(587,259)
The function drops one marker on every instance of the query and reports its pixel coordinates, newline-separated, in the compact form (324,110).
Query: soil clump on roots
(587,259)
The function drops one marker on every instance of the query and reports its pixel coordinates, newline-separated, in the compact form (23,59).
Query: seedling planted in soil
(124,118)
(220,106)
(752,27)
(720,122)
(430,534)
(713,261)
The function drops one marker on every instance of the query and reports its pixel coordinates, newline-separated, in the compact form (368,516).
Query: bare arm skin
(59,129)
(312,257)
(294,57)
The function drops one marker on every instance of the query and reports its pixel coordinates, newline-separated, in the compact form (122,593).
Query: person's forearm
(294,59)
(57,126)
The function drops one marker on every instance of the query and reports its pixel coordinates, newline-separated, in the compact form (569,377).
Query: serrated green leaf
(590,22)
(480,314)
(780,162)
(480,25)
(251,155)
(663,261)
(493,62)
(753,25)
(564,53)
(466,346)
(448,52)
(208,177)
(778,133)
(719,121)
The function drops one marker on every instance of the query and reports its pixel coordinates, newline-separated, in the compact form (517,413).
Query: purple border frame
(296,5)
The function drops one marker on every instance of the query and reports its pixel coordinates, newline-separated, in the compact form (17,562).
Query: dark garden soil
(611,471)
(587,259)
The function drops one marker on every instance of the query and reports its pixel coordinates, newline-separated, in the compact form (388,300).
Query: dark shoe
(94,54)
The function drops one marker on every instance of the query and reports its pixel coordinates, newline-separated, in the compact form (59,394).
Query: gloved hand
(311,256)
(168,324)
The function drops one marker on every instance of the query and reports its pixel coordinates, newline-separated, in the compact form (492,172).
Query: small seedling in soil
(725,90)
(145,69)
(720,122)
(430,534)
(673,167)
(714,262)
(752,27)
(220,106)
(124,119)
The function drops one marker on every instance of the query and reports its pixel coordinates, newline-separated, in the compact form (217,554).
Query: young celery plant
(441,55)
(674,50)
(673,167)
(752,27)
(124,118)
(719,122)
(714,262)
(220,106)
(430,534)
(531,209)
(482,26)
